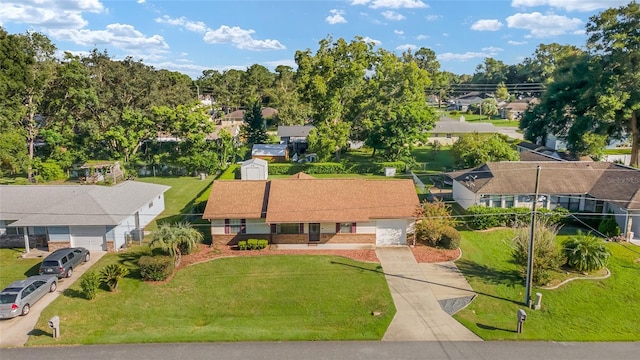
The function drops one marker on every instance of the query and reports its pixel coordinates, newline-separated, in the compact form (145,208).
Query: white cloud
(513,42)
(119,35)
(492,49)
(432,17)
(49,14)
(406,47)
(398,32)
(391,15)
(392,4)
(486,25)
(240,38)
(422,37)
(541,26)
(462,57)
(570,5)
(336,17)
(141,1)
(370,40)
(195,26)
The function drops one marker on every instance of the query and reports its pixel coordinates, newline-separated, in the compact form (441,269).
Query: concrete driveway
(419,316)
(15,332)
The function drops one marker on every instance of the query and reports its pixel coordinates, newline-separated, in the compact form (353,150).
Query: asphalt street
(352,350)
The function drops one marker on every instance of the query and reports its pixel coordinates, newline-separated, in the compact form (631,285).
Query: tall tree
(614,42)
(284,96)
(254,129)
(473,150)
(540,67)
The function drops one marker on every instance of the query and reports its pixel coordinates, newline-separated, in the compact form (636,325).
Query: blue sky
(192,36)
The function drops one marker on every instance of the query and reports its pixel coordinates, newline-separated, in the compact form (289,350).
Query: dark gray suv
(62,261)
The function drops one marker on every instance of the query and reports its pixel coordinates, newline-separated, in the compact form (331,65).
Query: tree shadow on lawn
(380,271)
(472,269)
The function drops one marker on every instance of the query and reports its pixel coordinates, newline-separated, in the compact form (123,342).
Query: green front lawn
(266,298)
(582,310)
(13,267)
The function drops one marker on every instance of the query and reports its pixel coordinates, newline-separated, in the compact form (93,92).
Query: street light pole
(530,259)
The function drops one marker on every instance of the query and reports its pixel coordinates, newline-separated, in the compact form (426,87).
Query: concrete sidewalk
(419,316)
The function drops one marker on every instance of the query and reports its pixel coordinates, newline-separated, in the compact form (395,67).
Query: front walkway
(419,316)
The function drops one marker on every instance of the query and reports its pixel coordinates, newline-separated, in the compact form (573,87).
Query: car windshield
(7,298)
(49,263)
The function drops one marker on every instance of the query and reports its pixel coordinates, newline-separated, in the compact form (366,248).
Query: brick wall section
(296,239)
(53,246)
(348,239)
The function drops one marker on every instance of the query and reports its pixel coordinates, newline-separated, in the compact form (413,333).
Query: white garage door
(90,237)
(391,232)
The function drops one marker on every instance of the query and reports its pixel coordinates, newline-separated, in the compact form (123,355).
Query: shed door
(89,237)
(391,232)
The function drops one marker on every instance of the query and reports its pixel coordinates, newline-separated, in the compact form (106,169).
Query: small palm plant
(176,240)
(112,274)
(586,252)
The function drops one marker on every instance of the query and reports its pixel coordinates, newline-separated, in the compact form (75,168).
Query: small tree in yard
(586,253)
(89,283)
(546,254)
(176,240)
(435,218)
(112,274)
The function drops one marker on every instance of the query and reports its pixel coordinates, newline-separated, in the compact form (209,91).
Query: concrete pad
(419,316)
(446,280)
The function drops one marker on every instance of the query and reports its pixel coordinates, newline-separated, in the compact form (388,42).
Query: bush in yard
(242,245)
(252,244)
(262,244)
(90,283)
(609,227)
(450,238)
(435,218)
(155,268)
(546,254)
(586,253)
(112,274)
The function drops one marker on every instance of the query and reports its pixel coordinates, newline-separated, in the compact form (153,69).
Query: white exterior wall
(122,230)
(148,213)
(3,227)
(217,227)
(463,196)
(366,228)
(329,228)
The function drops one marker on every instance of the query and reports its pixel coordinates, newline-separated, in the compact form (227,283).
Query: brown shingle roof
(607,181)
(301,175)
(237,199)
(306,199)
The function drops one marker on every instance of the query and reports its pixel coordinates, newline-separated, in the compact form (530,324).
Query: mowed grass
(266,298)
(13,267)
(582,310)
(178,200)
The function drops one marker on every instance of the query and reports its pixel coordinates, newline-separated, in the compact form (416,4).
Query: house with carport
(594,188)
(99,218)
(302,210)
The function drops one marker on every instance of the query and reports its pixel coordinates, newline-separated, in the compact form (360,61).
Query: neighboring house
(270,152)
(98,171)
(447,131)
(515,109)
(463,102)
(91,216)
(306,210)
(525,146)
(295,137)
(238,115)
(591,187)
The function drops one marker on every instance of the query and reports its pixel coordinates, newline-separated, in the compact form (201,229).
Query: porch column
(26,239)
(628,231)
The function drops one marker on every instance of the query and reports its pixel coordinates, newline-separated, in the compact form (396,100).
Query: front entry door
(314,232)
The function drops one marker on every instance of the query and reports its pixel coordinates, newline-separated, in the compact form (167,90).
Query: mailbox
(54,323)
(522,316)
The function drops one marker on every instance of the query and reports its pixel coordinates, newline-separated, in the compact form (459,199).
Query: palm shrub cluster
(112,274)
(586,253)
(546,254)
(436,225)
(176,240)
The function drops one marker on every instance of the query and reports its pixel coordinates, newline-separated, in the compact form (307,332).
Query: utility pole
(527,299)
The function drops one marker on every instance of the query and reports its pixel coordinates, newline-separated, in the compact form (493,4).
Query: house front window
(235,226)
(509,201)
(345,228)
(496,201)
(293,228)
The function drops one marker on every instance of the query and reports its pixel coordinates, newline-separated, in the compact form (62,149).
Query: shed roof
(269,150)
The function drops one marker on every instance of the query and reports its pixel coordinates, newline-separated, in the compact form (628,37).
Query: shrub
(484,217)
(155,268)
(608,226)
(450,238)
(242,245)
(112,274)
(585,252)
(49,171)
(89,283)
(436,216)
(252,244)
(230,173)
(546,254)
(262,244)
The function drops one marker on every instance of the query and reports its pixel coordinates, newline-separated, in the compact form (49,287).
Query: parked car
(62,261)
(17,298)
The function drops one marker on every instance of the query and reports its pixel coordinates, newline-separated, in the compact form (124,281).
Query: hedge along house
(304,210)
(96,217)
(592,188)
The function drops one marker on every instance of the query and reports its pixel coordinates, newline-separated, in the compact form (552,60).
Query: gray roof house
(591,187)
(95,217)
(295,137)
(447,131)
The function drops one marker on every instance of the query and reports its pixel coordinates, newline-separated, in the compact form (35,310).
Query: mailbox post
(54,323)
(522,316)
